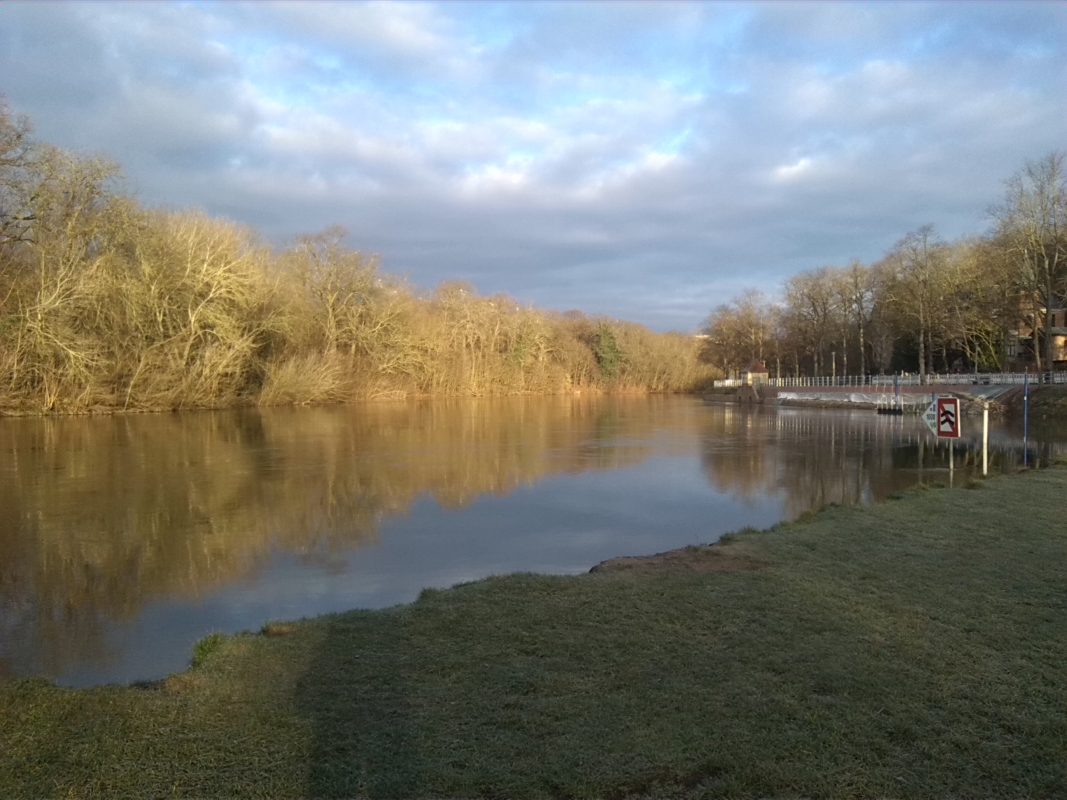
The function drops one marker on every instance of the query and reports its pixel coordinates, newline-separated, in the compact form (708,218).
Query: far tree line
(986,303)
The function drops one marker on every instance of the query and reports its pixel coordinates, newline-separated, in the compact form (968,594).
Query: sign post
(985,439)
(1026,419)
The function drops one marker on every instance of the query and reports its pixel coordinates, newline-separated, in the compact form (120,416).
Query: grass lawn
(914,649)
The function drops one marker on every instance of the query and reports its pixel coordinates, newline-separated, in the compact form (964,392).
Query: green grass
(916,649)
(204,648)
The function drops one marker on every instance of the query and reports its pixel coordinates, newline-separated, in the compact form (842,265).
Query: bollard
(985,439)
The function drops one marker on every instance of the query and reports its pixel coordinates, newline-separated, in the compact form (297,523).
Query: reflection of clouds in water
(103,515)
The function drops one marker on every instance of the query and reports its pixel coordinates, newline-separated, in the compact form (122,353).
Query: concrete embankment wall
(911,398)
(1045,400)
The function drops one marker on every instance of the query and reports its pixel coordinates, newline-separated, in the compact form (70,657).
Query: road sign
(930,417)
(942,417)
(948,417)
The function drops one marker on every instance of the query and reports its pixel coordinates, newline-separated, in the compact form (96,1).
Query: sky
(646,161)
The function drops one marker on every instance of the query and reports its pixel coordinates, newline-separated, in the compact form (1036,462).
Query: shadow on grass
(363,736)
(524,687)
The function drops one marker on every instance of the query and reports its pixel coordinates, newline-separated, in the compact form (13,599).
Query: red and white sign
(948,417)
(942,417)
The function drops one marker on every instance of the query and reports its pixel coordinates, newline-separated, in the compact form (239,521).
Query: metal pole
(985,439)
(1026,417)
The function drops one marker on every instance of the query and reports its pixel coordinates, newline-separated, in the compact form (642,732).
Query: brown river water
(124,539)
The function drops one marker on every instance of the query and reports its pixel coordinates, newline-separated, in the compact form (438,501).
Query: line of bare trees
(926,306)
(105,304)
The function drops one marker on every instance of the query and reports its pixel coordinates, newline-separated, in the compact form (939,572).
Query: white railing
(910,379)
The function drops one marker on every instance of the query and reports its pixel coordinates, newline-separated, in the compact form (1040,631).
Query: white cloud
(618,156)
(798,170)
(494,179)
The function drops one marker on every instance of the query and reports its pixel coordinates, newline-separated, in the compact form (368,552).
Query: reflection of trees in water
(814,458)
(99,516)
(738,451)
(844,459)
(809,458)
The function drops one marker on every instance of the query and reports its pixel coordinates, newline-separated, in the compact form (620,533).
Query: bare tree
(740,332)
(811,299)
(914,286)
(1032,225)
(724,342)
(16,161)
(856,288)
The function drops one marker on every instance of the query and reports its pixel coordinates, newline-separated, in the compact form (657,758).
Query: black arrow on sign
(947,420)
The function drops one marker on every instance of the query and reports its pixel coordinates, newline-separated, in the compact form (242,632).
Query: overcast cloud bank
(642,160)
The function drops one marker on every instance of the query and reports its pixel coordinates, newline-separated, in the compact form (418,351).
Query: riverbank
(1048,401)
(912,649)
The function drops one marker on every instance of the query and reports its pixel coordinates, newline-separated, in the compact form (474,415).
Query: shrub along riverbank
(1047,401)
(106,305)
(912,649)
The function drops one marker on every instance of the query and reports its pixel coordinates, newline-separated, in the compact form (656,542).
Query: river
(124,539)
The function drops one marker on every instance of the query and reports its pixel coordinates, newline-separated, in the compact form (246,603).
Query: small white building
(756,374)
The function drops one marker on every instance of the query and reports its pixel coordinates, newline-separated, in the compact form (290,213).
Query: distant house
(1057,329)
(1019,343)
(756,374)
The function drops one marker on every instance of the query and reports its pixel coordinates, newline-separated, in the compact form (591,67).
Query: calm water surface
(125,539)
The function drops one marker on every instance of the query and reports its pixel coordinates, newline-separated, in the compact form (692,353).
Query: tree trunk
(1036,339)
(922,352)
(863,354)
(1049,300)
